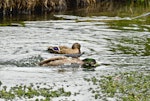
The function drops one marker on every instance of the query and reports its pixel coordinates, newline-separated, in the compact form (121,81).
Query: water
(22,47)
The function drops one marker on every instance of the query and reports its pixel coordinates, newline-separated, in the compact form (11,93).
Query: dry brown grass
(44,5)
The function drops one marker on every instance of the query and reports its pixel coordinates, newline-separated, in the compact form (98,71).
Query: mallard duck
(65,50)
(87,63)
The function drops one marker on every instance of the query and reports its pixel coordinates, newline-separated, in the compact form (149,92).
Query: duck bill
(96,65)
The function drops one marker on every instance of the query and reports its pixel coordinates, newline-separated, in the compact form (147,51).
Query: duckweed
(130,86)
(31,91)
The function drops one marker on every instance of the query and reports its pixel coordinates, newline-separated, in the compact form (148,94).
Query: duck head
(89,63)
(76,46)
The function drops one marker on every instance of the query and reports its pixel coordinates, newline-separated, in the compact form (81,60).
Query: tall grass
(29,6)
(37,6)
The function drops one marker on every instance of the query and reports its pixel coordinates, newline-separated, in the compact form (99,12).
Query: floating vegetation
(31,91)
(15,24)
(132,45)
(132,25)
(129,86)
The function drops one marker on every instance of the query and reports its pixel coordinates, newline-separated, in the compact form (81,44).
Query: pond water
(22,47)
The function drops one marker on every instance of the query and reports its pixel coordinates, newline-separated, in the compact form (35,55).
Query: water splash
(31,61)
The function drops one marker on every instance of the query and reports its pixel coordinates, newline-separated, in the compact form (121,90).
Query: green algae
(31,91)
(133,45)
(139,24)
(128,86)
(15,24)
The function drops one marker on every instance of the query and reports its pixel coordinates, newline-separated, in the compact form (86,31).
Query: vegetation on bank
(15,7)
(14,11)
(37,6)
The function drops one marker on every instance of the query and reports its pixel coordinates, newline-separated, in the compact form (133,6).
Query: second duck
(75,49)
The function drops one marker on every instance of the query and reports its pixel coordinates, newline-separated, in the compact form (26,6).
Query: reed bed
(30,6)
(39,6)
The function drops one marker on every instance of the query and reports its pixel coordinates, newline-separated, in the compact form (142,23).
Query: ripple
(22,48)
(31,61)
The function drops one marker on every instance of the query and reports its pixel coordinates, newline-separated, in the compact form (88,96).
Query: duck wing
(74,55)
(63,47)
(50,60)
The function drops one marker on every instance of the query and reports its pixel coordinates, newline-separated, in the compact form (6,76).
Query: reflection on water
(134,44)
(22,47)
(102,8)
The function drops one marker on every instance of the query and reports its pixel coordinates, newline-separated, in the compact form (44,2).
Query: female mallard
(87,63)
(65,50)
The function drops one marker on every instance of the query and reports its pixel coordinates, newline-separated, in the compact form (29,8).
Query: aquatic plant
(128,86)
(31,91)
(130,25)
(12,23)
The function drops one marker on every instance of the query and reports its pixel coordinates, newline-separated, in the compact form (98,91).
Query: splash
(31,61)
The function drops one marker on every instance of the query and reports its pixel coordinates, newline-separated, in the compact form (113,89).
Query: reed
(30,6)
(39,6)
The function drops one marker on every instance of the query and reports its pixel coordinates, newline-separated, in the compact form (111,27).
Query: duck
(87,63)
(75,49)
(74,55)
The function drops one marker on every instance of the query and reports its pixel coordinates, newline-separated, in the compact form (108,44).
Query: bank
(14,7)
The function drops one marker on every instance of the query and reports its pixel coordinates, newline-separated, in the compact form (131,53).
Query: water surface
(22,47)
